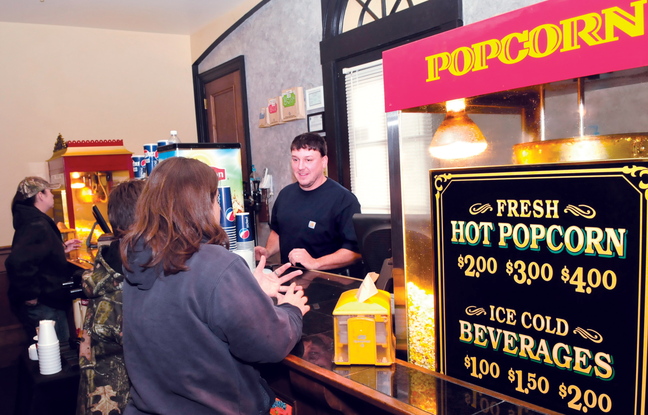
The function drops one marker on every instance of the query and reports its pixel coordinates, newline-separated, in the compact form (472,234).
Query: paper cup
(247,255)
(33,352)
(52,346)
(50,371)
(47,333)
(49,365)
(45,352)
(46,355)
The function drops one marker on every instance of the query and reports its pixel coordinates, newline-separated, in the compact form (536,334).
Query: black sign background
(615,194)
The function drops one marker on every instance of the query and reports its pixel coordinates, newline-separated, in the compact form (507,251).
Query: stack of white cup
(49,352)
(248,256)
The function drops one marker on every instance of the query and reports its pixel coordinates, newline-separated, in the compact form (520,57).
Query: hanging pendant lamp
(458,136)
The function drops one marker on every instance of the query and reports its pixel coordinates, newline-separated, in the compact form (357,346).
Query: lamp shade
(457,137)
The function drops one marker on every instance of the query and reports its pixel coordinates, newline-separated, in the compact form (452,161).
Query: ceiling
(182,17)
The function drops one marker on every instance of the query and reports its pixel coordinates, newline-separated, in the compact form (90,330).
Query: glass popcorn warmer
(543,96)
(86,170)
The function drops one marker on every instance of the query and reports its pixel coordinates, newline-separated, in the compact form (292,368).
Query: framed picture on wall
(316,122)
(315,98)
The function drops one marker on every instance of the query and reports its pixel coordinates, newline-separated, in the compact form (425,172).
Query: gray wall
(280,43)
(476,10)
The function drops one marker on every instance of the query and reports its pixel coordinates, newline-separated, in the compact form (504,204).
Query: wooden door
(225,113)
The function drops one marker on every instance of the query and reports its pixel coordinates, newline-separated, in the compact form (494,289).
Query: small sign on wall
(274,111)
(292,104)
(263,118)
(315,98)
(316,122)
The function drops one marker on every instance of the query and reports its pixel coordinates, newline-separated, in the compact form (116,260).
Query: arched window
(361,12)
(355,33)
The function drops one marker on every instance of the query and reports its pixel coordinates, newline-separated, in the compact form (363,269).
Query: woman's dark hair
(121,205)
(309,141)
(175,214)
(20,199)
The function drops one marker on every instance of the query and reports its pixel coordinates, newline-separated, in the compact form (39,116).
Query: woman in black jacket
(37,266)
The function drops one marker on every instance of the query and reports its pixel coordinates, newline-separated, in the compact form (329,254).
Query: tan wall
(204,37)
(87,84)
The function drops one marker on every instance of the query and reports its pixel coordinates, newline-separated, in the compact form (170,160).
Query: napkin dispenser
(363,329)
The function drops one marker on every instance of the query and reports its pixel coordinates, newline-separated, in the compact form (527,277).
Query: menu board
(541,274)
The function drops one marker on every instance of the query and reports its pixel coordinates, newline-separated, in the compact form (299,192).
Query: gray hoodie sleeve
(255,329)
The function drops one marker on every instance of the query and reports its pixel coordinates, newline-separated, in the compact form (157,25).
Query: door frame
(202,121)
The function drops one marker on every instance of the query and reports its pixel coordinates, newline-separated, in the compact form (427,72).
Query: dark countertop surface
(403,387)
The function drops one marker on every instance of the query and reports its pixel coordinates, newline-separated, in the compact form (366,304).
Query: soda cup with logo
(151,154)
(227,215)
(244,232)
(139,167)
(162,143)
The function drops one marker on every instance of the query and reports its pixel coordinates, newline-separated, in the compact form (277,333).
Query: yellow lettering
(481,56)
(553,37)
(562,362)
(481,338)
(436,63)
(506,57)
(457,232)
(543,354)
(603,369)
(617,18)
(589,33)
(527,345)
(465,332)
(589,29)
(552,206)
(468,61)
(551,239)
(510,343)
(582,358)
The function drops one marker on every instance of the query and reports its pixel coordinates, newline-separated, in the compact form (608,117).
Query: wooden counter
(312,384)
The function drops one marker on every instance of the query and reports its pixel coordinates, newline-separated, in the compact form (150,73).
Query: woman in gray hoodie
(196,320)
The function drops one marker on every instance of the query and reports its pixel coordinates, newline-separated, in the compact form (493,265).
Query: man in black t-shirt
(312,220)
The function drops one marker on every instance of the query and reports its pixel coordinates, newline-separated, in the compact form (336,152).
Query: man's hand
(260,251)
(301,256)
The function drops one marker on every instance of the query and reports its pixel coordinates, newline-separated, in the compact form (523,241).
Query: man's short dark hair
(309,141)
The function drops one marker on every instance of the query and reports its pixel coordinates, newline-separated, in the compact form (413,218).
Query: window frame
(365,44)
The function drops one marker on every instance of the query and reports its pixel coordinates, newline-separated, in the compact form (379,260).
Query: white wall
(87,84)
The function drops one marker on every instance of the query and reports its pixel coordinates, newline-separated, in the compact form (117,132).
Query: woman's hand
(294,295)
(71,245)
(271,282)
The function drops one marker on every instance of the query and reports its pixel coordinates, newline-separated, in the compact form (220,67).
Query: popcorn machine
(86,170)
(557,86)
